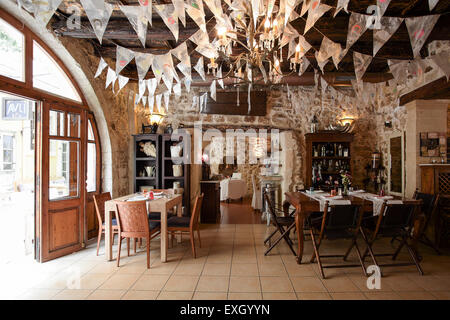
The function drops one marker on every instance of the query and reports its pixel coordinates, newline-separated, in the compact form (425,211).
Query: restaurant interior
(225,150)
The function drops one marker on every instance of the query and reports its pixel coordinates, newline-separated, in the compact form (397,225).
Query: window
(12,53)
(63,169)
(7,143)
(48,76)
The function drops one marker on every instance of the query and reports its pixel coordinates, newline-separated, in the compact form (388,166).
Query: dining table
(161,204)
(305,204)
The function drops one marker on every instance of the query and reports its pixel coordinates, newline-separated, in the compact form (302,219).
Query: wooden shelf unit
(323,138)
(141,160)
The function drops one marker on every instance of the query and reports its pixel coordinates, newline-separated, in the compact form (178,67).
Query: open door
(62,180)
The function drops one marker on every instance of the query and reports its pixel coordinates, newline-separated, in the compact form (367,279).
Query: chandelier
(257,40)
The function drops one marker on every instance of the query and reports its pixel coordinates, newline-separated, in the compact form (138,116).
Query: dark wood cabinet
(332,152)
(211,202)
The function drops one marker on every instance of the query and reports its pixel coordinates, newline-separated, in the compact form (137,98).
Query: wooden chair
(337,222)
(99,202)
(397,221)
(283,225)
(187,224)
(134,223)
(429,209)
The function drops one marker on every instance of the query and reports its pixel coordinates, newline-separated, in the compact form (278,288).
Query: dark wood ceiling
(160,39)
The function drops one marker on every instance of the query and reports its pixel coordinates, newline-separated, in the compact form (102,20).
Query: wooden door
(62,180)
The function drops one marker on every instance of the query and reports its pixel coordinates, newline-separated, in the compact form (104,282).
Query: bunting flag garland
(185,69)
(270,5)
(212,90)
(305,7)
(181,53)
(357,25)
(179,8)
(111,77)
(177,89)
(122,82)
(142,84)
(432,4)
(170,18)
(397,68)
(187,84)
(144,101)
(323,86)
(98,12)
(419,28)
(101,66)
(303,66)
(255,10)
(315,11)
(383,5)
(143,63)
(199,67)
(200,38)
(442,61)
(341,4)
(289,8)
(44,10)
(194,9)
(289,33)
(151,85)
(215,6)
(137,15)
(151,103)
(123,58)
(220,76)
(389,26)
(166,100)
(328,49)
(249,98)
(361,62)
(158,102)
(136,100)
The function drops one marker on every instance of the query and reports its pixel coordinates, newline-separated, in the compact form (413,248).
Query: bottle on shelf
(345,152)
(316,151)
(323,151)
(340,150)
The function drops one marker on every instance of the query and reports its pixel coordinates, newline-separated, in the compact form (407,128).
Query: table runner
(332,201)
(377,201)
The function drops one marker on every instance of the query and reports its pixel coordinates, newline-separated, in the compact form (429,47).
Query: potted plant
(346,181)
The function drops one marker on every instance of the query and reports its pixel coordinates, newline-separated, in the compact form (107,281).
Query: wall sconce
(347,121)
(155,121)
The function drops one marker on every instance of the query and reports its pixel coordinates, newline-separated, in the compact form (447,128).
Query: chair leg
(368,249)
(349,249)
(199,241)
(316,253)
(99,237)
(360,259)
(120,246)
(193,244)
(112,238)
(134,245)
(148,252)
(128,246)
(394,256)
(414,258)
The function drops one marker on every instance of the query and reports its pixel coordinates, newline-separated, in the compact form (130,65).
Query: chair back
(99,203)
(132,217)
(343,216)
(196,212)
(399,216)
(429,203)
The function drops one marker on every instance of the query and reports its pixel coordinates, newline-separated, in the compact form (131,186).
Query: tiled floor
(230,265)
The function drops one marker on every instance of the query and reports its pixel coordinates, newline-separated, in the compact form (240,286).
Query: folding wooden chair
(337,222)
(282,224)
(395,220)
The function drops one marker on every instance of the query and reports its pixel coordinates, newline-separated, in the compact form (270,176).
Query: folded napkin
(138,198)
(356,191)
(328,197)
(314,192)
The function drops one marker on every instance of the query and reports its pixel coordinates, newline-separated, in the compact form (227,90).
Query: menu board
(433,144)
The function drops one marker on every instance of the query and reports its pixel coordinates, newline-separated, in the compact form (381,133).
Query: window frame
(2,160)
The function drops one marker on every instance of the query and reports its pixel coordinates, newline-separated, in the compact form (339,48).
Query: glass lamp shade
(156,118)
(346,121)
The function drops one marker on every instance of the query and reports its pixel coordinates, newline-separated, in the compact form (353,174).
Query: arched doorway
(66,142)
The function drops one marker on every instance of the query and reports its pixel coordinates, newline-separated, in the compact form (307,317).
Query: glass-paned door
(63,169)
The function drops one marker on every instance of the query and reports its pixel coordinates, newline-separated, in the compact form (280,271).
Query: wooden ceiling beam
(438,89)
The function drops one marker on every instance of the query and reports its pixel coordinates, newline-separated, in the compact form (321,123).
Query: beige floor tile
(343,284)
(210,296)
(244,284)
(276,284)
(213,284)
(244,296)
(135,267)
(244,269)
(243,258)
(313,296)
(299,270)
(376,295)
(140,295)
(431,283)
(216,269)
(400,283)
(188,270)
(175,295)
(272,258)
(119,282)
(162,268)
(39,294)
(441,295)
(279,296)
(181,283)
(219,258)
(307,284)
(361,282)
(105,267)
(348,296)
(272,269)
(93,280)
(416,295)
(151,282)
(69,294)
(106,295)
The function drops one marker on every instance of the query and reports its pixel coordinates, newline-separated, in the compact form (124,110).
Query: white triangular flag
(101,66)
(123,58)
(144,101)
(187,84)
(249,98)
(148,6)
(179,8)
(357,25)
(111,77)
(98,13)
(442,60)
(177,89)
(167,100)
(44,10)
(122,82)
(151,85)
(195,10)
(383,5)
(137,99)
(215,6)
(200,68)
(158,102)
(169,16)
(398,69)
(341,4)
(304,64)
(142,84)
(316,10)
(289,8)
(212,90)
(419,28)
(360,62)
(143,63)
(137,15)
(220,76)
(389,26)
(151,103)
(432,4)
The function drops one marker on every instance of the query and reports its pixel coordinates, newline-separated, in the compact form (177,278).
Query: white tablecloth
(232,189)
